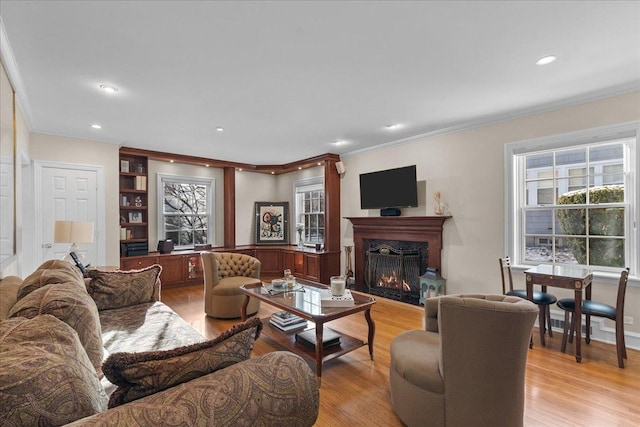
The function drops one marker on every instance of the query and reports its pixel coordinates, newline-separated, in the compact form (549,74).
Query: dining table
(563,276)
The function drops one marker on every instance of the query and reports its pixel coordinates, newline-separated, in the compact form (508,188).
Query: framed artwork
(272,223)
(135,216)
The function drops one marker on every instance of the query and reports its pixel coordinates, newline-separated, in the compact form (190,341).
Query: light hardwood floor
(355,390)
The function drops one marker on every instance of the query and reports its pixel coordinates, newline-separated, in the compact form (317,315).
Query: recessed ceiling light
(319,163)
(546,60)
(206,166)
(109,89)
(393,126)
(273,173)
(170,161)
(339,142)
(299,168)
(96,126)
(219,129)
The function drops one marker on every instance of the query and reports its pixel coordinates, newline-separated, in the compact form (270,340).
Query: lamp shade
(73,232)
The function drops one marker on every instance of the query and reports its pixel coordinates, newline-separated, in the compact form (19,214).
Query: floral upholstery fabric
(141,374)
(116,289)
(71,304)
(52,271)
(276,389)
(46,378)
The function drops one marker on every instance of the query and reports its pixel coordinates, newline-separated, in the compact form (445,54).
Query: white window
(309,209)
(185,211)
(573,199)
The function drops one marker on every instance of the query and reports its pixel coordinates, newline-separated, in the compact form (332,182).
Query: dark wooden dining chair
(542,299)
(593,308)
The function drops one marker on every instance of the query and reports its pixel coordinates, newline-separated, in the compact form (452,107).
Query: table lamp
(73,232)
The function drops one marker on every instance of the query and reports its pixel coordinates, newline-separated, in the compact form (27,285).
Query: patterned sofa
(104,350)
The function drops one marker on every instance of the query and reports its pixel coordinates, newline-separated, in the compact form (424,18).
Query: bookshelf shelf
(134,236)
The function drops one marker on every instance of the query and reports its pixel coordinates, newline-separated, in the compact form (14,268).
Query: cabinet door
(299,265)
(136,263)
(288,260)
(312,267)
(270,259)
(173,269)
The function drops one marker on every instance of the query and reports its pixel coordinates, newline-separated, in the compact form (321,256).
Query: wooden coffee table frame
(287,339)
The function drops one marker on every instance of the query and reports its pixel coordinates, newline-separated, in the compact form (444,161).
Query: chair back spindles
(505,264)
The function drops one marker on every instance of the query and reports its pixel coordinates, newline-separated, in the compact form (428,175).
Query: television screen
(391,188)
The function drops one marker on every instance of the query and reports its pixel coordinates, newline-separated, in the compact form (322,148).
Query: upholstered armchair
(224,273)
(468,367)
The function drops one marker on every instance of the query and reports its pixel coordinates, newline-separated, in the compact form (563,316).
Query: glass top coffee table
(304,301)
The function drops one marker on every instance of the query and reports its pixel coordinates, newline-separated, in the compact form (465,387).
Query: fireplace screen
(393,272)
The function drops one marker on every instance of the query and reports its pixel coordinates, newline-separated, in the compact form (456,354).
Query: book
(308,338)
(289,327)
(284,317)
(329,300)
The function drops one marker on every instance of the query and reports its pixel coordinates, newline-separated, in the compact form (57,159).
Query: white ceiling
(287,79)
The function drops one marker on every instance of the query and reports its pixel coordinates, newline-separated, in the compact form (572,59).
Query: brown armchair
(224,273)
(468,367)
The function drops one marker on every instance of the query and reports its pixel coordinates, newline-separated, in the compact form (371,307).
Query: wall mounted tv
(391,188)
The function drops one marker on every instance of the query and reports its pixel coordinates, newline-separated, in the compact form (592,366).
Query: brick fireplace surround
(400,228)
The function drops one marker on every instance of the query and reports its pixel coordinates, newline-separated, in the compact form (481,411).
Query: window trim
(567,140)
(315,181)
(211,182)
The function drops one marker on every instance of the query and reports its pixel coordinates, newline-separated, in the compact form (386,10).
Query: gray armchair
(468,367)
(224,273)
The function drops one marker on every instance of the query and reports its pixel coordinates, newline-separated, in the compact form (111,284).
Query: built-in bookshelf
(134,211)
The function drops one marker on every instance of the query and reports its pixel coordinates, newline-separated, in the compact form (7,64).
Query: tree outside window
(574,207)
(186,212)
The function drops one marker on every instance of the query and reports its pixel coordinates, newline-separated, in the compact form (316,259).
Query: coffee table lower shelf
(287,339)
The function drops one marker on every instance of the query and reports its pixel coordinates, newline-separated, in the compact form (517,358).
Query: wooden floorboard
(355,390)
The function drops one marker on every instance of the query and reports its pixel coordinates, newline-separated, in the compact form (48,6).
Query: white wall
(79,151)
(467,167)
(251,187)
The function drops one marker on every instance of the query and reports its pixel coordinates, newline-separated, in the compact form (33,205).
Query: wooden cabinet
(134,211)
(138,262)
(271,260)
(315,266)
(178,269)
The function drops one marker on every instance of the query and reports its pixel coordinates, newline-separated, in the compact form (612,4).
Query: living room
(467,163)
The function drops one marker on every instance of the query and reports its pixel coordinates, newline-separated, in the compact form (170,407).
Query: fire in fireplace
(392,269)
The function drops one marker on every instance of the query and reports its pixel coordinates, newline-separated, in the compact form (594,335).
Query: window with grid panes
(186,210)
(572,204)
(309,194)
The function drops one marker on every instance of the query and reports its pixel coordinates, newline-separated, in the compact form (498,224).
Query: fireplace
(392,268)
(392,252)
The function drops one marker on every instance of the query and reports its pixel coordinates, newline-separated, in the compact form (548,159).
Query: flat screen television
(391,188)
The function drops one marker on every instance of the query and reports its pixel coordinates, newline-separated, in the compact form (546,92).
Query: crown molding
(11,67)
(499,118)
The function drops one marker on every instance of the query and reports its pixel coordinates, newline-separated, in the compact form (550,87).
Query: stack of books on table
(308,338)
(329,300)
(286,321)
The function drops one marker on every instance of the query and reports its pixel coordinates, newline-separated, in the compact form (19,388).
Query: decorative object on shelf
(139,168)
(439,208)
(300,230)
(138,201)
(272,221)
(194,265)
(73,232)
(135,217)
(124,166)
(166,246)
(431,285)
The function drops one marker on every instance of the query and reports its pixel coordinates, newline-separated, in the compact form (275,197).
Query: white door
(68,193)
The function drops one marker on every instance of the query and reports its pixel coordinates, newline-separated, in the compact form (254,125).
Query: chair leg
(572,326)
(548,308)
(563,347)
(620,344)
(588,326)
(541,323)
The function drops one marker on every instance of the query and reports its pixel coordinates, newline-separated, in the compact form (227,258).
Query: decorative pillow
(46,377)
(116,289)
(72,305)
(141,374)
(52,271)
